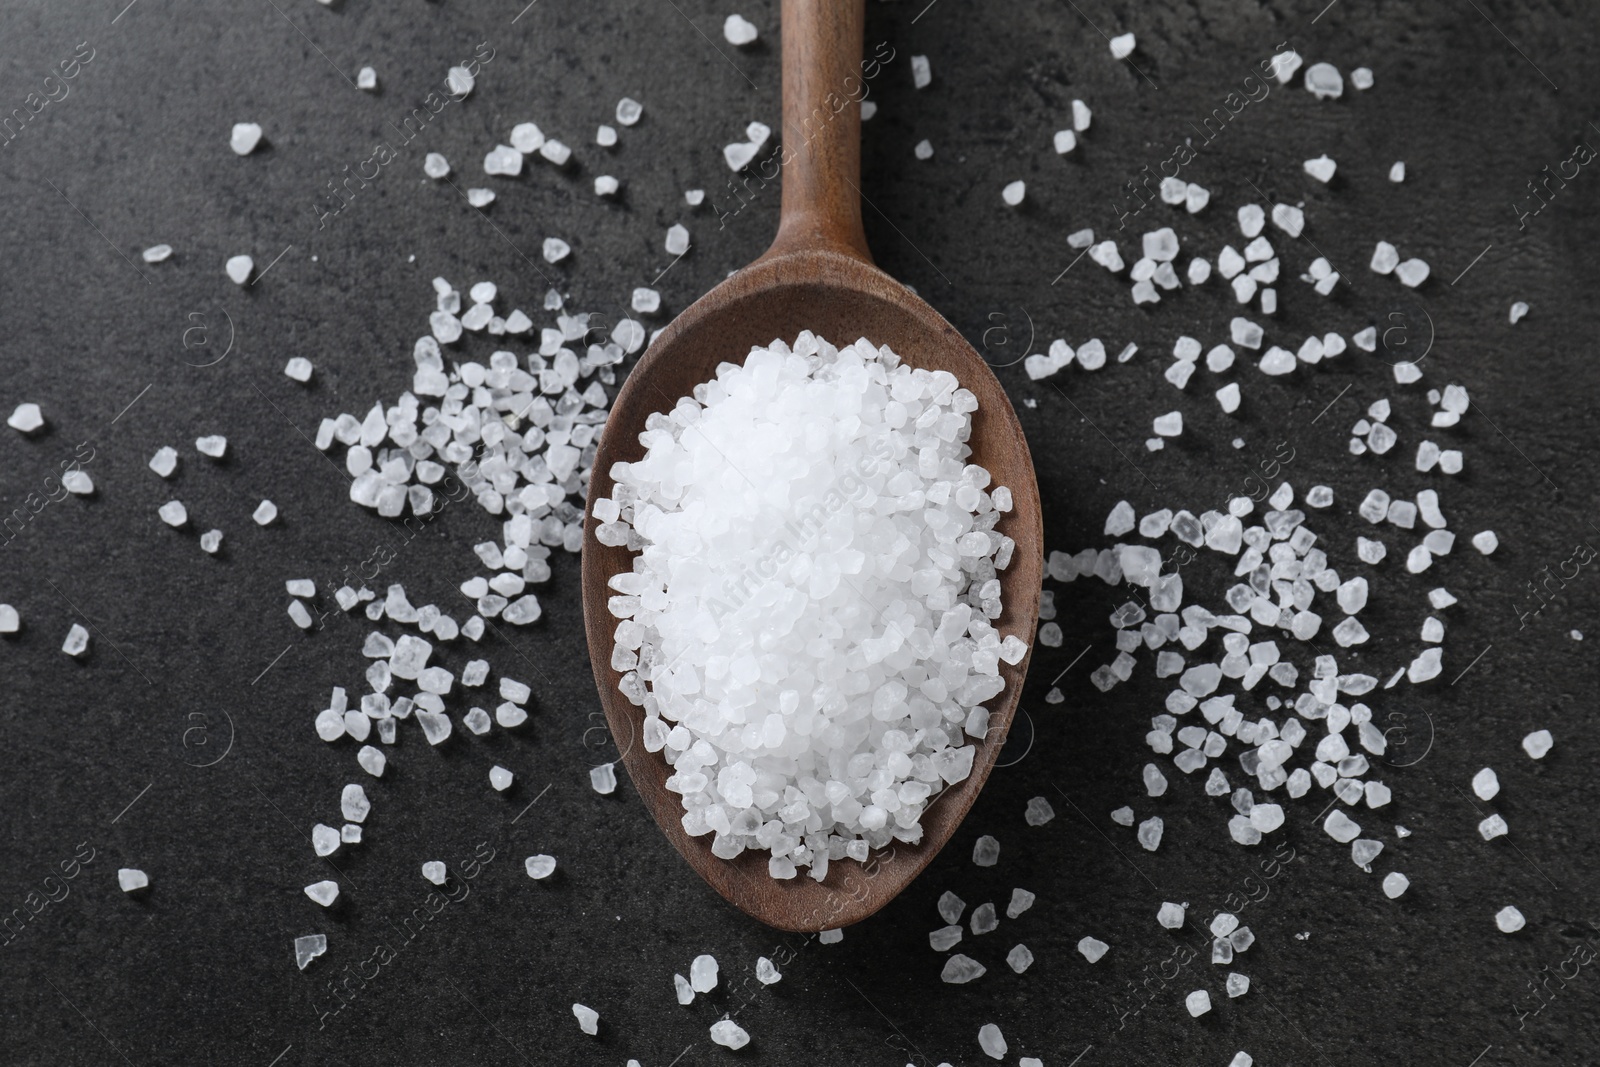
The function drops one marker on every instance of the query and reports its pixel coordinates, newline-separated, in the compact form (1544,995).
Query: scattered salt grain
(739,30)
(1038,812)
(1538,744)
(309,948)
(173,513)
(1021,901)
(1395,884)
(986,852)
(245,137)
(1150,833)
(1093,948)
(960,969)
(1322,168)
(603,779)
(1509,920)
(1020,958)
(1492,827)
(1013,193)
(1238,984)
(1324,81)
(435,165)
(1198,1003)
(238,268)
(589,1019)
(540,867)
(324,893)
(1122,45)
(1486,784)
(992,1041)
(921,72)
(132,879)
(367,78)
(766,972)
(628,111)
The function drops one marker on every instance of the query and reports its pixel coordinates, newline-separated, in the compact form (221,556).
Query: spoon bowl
(817,276)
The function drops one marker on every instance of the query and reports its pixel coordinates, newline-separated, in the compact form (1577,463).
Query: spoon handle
(823,82)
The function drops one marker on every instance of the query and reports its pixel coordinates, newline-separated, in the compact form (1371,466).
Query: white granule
(238,269)
(739,30)
(1122,45)
(831,741)
(159,253)
(246,135)
(1013,193)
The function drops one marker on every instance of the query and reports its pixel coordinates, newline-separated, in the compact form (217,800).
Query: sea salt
(1021,901)
(540,867)
(1020,958)
(812,387)
(991,1041)
(1093,948)
(1395,884)
(131,879)
(960,969)
(738,30)
(1198,1003)
(588,1019)
(324,893)
(1538,744)
(309,948)
(1509,920)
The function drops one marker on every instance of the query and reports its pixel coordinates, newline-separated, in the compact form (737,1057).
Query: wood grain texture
(819,276)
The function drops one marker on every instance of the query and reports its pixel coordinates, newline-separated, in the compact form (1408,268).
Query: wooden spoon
(818,276)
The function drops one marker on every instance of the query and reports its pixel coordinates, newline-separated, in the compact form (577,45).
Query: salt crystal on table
(703,973)
(1093,948)
(165,461)
(214,445)
(372,760)
(992,1041)
(1492,827)
(1122,45)
(435,165)
(588,1019)
(350,834)
(324,840)
(77,482)
(508,715)
(1198,1002)
(1518,310)
(77,642)
(300,616)
(1122,816)
(156,253)
(1014,192)
(1241,1059)
(1395,884)
(459,81)
(540,866)
(739,30)
(986,851)
(983,919)
(555,249)
(1364,851)
(1486,784)
(500,778)
(131,879)
(950,907)
(1509,920)
(1412,272)
(677,240)
(1538,744)
(1324,81)
(1341,827)
(1322,168)
(1426,666)
(1169,425)
(324,893)
(1238,984)
(1020,958)
(960,969)
(245,137)
(603,778)
(238,268)
(1150,833)
(367,78)
(1021,901)
(629,110)
(729,1034)
(1370,551)
(766,973)
(944,938)
(309,948)
(353,804)
(264,513)
(1170,915)
(482,198)
(10,621)
(1485,542)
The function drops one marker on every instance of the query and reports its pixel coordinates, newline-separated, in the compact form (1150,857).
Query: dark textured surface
(1476,97)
